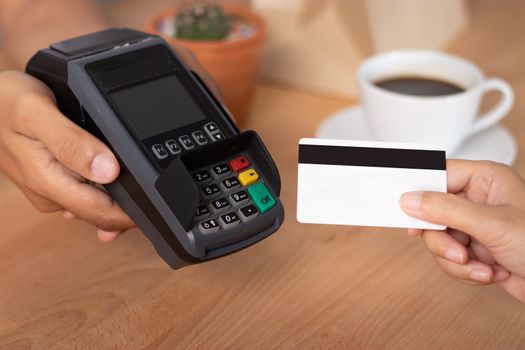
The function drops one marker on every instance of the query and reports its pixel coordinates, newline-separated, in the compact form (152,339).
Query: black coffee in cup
(418,86)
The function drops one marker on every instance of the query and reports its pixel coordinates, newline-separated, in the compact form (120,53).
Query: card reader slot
(148,69)
(96,42)
(249,238)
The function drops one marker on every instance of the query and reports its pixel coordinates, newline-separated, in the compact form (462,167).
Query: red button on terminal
(239,163)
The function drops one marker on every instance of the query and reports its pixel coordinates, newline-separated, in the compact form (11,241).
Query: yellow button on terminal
(248,177)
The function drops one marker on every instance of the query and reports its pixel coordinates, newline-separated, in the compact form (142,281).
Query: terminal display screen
(157,106)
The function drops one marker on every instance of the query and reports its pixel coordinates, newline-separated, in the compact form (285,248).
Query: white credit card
(343,182)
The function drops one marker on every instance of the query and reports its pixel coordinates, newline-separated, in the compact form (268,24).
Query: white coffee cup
(445,120)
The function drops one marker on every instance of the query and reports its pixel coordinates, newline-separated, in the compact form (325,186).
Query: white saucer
(496,143)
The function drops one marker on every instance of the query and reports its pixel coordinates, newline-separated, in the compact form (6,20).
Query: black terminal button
(220,170)
(230,183)
(211,190)
(209,226)
(159,151)
(201,176)
(248,212)
(219,204)
(229,220)
(199,137)
(211,128)
(239,197)
(217,137)
(186,142)
(202,211)
(173,147)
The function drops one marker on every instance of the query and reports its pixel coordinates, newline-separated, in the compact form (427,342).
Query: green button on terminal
(261,197)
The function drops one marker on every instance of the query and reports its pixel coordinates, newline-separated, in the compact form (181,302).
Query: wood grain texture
(306,287)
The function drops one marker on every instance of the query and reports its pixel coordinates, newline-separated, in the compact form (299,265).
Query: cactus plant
(231,54)
(201,20)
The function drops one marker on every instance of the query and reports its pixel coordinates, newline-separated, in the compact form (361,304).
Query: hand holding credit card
(343,182)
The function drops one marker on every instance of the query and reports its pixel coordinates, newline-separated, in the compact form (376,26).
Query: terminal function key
(261,197)
(248,212)
(159,151)
(209,226)
(239,163)
(173,147)
(211,128)
(248,177)
(217,137)
(199,137)
(186,142)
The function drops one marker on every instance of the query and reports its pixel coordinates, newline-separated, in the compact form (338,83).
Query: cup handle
(499,111)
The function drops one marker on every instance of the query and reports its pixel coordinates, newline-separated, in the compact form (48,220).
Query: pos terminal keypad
(232,192)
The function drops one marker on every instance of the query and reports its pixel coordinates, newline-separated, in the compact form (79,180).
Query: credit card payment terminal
(194,184)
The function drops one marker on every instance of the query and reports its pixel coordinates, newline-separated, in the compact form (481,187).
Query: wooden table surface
(305,287)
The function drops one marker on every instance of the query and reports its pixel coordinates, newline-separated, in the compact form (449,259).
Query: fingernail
(68,215)
(480,275)
(454,255)
(414,232)
(107,236)
(411,200)
(500,274)
(103,166)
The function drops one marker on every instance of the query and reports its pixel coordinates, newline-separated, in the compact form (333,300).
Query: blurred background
(313,45)
(316,45)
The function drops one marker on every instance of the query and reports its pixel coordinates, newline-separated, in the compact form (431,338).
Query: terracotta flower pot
(234,63)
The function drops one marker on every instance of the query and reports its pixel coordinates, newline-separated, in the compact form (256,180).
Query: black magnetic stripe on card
(372,157)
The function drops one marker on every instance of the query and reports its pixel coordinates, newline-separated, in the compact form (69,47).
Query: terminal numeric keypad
(237,194)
